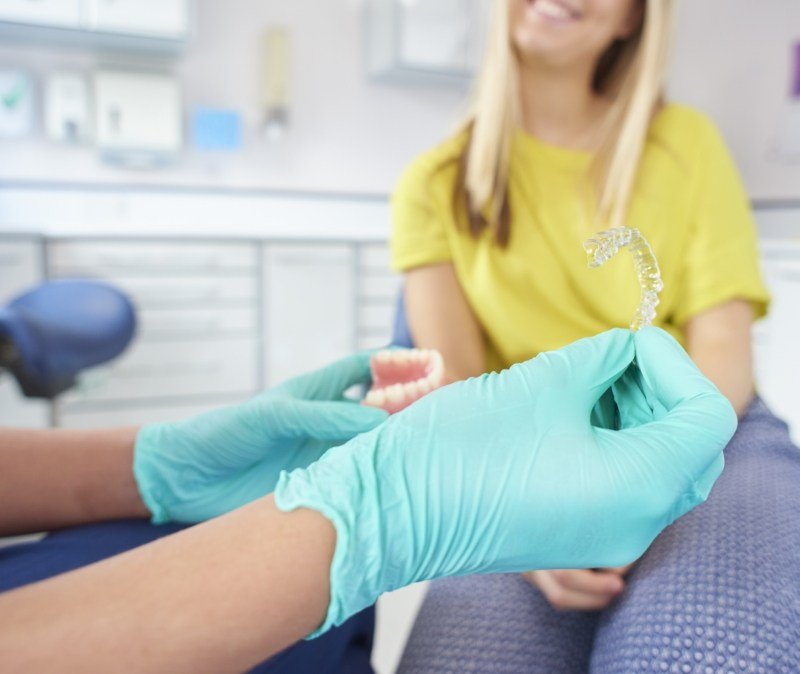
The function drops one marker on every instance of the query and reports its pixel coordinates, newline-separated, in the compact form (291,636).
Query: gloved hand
(215,462)
(506,473)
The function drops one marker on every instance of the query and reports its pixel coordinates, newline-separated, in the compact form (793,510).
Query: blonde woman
(570,133)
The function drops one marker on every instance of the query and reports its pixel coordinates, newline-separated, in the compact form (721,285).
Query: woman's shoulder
(682,125)
(687,138)
(435,171)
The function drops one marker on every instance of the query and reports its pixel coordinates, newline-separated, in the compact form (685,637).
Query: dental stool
(51,333)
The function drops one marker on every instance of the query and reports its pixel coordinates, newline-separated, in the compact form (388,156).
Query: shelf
(156,26)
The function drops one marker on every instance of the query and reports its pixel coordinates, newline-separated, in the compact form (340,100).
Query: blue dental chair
(47,336)
(51,333)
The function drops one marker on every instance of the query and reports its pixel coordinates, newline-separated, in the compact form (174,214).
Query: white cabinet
(147,25)
(426,40)
(777,357)
(166,18)
(309,307)
(132,415)
(377,293)
(198,336)
(61,13)
(20,269)
(436,35)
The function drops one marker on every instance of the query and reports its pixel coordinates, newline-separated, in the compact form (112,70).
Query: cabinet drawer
(186,291)
(18,411)
(375,258)
(157,370)
(373,341)
(161,324)
(158,18)
(383,287)
(77,417)
(62,13)
(20,268)
(309,307)
(138,257)
(377,317)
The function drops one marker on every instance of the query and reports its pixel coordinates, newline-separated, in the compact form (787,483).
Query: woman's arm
(719,342)
(219,597)
(440,318)
(57,478)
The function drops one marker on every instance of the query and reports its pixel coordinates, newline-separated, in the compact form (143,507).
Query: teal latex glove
(218,461)
(506,472)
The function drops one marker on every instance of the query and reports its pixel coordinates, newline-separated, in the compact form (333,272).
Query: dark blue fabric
(344,650)
(718,592)
(62,327)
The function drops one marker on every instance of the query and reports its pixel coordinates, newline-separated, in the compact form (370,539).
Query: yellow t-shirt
(538,293)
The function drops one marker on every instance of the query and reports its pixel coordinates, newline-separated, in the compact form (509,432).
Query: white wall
(347,134)
(731,58)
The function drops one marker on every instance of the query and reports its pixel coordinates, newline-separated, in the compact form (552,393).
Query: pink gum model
(402,376)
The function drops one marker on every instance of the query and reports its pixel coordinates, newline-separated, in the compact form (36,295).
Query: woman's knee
(717,590)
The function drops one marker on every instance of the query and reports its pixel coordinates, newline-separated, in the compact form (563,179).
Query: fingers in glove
(324,420)
(590,366)
(331,382)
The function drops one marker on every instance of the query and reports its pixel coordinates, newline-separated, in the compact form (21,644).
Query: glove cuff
(145,471)
(342,486)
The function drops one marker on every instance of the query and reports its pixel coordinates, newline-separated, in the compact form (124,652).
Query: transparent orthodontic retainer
(605,245)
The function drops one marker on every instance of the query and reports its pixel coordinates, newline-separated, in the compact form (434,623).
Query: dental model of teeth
(605,245)
(402,376)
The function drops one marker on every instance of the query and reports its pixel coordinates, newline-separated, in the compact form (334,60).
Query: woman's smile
(553,11)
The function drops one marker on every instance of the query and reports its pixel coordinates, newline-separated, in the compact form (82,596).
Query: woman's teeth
(552,10)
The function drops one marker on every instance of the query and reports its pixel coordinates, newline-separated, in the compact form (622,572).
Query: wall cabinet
(434,40)
(62,13)
(167,18)
(777,359)
(161,25)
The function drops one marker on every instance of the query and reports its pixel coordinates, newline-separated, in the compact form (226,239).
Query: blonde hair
(631,71)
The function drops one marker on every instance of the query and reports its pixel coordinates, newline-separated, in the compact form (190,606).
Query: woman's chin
(535,47)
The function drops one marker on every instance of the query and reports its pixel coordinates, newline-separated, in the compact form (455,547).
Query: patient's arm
(719,342)
(219,597)
(58,478)
(440,318)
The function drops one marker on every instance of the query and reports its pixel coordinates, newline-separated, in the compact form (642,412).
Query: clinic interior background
(245,205)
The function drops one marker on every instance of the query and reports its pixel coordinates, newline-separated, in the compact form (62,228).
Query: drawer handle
(171,369)
(212,324)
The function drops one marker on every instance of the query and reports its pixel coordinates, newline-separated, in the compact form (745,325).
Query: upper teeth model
(605,245)
(401,376)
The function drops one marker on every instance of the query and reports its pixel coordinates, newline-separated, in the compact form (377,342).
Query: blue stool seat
(50,333)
